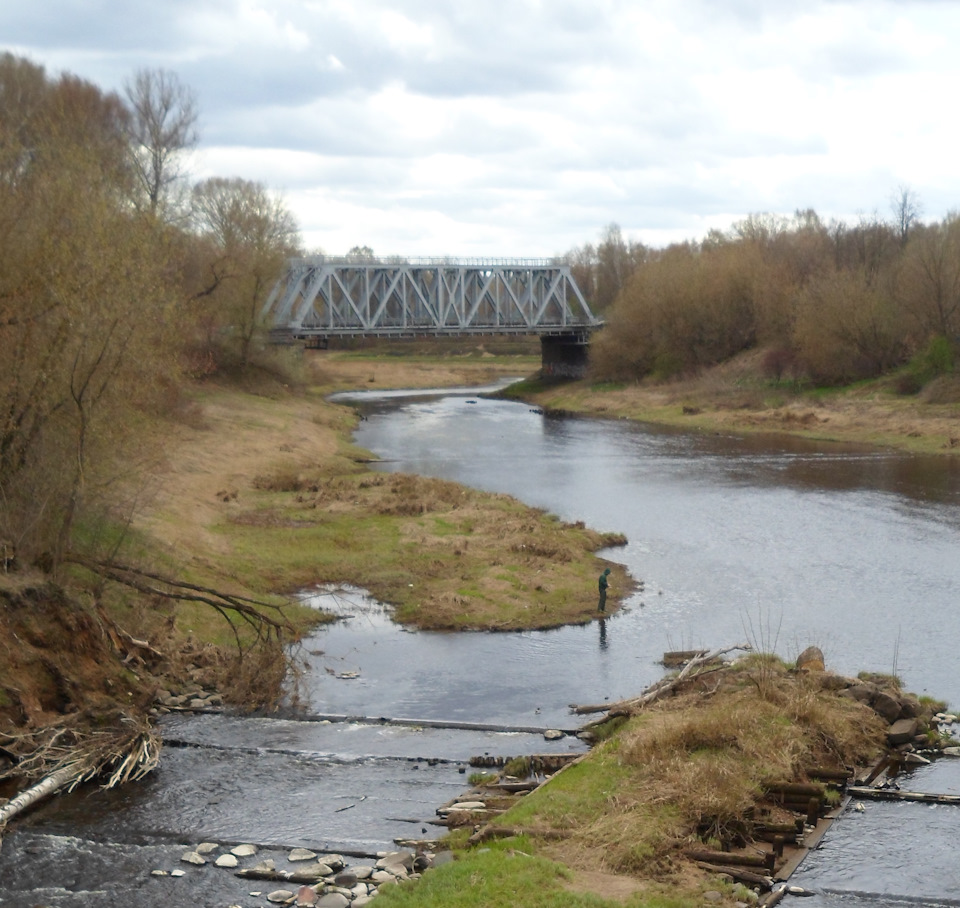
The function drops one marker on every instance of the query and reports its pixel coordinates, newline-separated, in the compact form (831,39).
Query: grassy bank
(270,496)
(737,397)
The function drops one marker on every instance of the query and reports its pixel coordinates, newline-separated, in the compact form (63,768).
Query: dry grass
(692,769)
(736,397)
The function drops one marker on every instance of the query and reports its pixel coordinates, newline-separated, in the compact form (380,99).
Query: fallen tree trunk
(62,778)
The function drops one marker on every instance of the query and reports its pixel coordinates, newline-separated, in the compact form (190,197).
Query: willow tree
(82,306)
(252,234)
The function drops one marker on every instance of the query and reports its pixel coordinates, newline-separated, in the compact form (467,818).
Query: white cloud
(525,126)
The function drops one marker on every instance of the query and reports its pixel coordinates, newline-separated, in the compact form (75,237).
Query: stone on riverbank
(191,857)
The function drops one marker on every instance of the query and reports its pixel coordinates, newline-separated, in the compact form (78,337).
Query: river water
(777,542)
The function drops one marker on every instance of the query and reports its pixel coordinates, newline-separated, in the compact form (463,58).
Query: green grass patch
(505,873)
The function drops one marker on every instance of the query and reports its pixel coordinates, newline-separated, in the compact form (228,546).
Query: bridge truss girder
(338,297)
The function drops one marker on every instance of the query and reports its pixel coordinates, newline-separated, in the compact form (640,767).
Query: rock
(362,901)
(159,873)
(306,897)
(888,708)
(711,895)
(951,751)
(207,847)
(902,731)
(301,854)
(381,876)
(177,872)
(553,734)
(361,872)
(333,900)
(910,707)
(279,895)
(265,866)
(244,851)
(460,805)
(226,860)
(191,857)
(346,879)
(403,857)
(335,862)
(863,693)
(197,703)
(811,660)
(316,871)
(911,759)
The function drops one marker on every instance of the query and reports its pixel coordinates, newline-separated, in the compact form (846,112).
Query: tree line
(827,302)
(118,281)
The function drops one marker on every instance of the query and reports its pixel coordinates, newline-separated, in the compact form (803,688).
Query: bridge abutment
(564,356)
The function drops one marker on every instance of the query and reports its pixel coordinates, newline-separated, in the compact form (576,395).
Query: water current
(773,541)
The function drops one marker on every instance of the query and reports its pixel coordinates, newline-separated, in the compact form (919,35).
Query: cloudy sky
(524,127)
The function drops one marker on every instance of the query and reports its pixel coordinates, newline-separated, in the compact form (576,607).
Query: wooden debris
(893,794)
(739,874)
(655,691)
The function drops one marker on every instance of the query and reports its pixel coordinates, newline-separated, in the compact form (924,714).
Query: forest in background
(828,303)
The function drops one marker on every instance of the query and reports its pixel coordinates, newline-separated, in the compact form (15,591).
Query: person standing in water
(602,607)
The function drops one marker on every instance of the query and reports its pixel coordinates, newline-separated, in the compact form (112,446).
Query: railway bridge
(323,297)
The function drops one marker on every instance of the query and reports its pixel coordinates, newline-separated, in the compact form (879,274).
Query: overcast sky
(524,127)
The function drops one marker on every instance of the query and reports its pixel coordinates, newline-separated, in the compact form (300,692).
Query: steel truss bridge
(319,298)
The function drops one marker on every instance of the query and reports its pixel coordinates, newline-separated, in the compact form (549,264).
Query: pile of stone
(193,698)
(909,721)
(324,882)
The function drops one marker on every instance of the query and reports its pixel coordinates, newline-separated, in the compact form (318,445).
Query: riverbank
(737,398)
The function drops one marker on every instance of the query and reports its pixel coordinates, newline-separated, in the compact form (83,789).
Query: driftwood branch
(265,618)
(657,690)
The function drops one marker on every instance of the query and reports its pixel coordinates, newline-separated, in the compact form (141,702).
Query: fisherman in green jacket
(602,607)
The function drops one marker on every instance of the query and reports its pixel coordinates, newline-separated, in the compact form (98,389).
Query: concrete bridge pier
(564,355)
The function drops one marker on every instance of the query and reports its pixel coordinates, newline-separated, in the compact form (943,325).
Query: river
(774,541)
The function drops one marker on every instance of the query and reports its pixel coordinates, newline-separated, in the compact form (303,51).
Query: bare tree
(907,208)
(163,125)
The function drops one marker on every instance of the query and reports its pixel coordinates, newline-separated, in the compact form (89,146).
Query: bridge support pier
(563,356)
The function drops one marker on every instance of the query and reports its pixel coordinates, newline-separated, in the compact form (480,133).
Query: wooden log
(813,812)
(893,794)
(830,775)
(739,874)
(765,861)
(780,828)
(800,789)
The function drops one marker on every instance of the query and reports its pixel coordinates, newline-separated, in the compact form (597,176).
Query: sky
(523,128)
